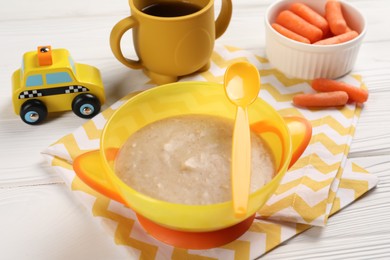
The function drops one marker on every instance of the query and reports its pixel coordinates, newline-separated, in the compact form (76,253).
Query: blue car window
(58,77)
(34,81)
(72,64)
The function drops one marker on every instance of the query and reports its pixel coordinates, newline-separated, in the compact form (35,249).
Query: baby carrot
(298,25)
(322,99)
(335,18)
(338,38)
(355,94)
(289,34)
(310,16)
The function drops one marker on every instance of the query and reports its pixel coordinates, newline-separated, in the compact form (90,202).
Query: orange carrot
(323,99)
(338,38)
(325,85)
(298,25)
(289,34)
(310,16)
(335,18)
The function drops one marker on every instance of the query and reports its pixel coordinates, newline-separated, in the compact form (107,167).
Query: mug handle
(223,19)
(115,41)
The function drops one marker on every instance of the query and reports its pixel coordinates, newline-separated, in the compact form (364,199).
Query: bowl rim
(120,185)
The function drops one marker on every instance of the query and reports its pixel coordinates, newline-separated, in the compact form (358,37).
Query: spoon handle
(241,162)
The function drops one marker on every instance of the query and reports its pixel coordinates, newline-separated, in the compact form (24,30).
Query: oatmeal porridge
(186,159)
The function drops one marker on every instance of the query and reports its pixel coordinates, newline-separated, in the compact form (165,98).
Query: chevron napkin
(320,183)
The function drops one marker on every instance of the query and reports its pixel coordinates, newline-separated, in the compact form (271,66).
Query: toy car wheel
(86,105)
(33,112)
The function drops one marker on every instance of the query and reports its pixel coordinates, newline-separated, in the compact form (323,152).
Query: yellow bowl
(182,98)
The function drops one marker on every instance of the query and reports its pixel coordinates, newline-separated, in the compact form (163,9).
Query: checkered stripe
(75,89)
(52,91)
(30,94)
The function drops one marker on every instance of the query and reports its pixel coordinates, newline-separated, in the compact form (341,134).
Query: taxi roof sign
(44,55)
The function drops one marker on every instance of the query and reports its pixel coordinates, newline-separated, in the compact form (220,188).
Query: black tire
(86,105)
(33,112)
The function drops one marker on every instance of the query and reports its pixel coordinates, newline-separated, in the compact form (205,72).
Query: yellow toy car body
(50,81)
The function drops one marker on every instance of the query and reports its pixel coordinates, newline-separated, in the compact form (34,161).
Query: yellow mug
(169,41)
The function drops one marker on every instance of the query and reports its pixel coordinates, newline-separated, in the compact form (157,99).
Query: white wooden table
(40,219)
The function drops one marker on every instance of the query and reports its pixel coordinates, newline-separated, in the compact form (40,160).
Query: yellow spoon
(242,85)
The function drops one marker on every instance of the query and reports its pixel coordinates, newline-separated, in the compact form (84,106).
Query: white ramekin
(307,61)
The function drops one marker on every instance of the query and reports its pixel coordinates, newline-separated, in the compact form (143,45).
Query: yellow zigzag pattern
(272,231)
(182,254)
(357,168)
(211,78)
(232,48)
(100,209)
(319,164)
(222,62)
(287,82)
(61,163)
(336,206)
(331,146)
(125,225)
(290,112)
(312,184)
(302,227)
(333,123)
(332,195)
(307,181)
(71,145)
(235,49)
(358,186)
(241,249)
(276,94)
(91,130)
(123,231)
(307,212)
(177,104)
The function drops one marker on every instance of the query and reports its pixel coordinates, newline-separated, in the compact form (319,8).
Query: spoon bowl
(242,86)
(242,83)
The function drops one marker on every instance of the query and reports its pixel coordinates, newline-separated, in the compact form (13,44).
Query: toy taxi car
(50,81)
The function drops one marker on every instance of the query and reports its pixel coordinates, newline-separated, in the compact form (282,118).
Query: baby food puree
(186,159)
